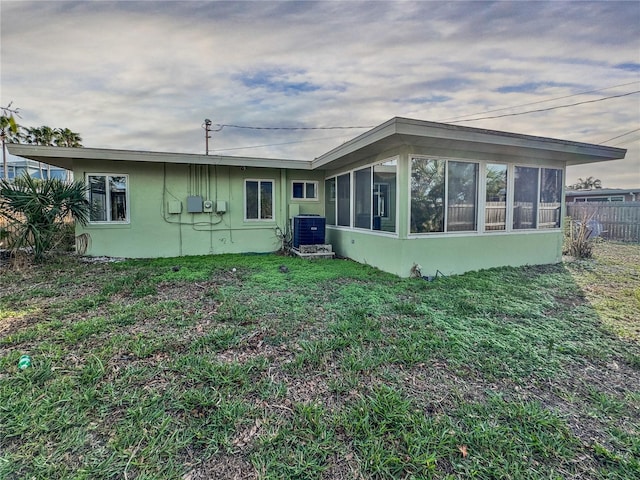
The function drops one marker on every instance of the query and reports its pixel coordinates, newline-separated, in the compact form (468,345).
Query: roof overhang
(398,132)
(440,137)
(64,157)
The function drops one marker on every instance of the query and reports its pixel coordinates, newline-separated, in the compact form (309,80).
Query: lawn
(272,367)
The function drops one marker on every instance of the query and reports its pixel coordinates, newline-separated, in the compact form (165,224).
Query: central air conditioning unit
(308,230)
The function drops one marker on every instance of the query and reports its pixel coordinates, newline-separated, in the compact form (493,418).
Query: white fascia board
(371,136)
(440,135)
(64,156)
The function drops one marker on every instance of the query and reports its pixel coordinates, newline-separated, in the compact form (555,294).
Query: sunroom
(442,198)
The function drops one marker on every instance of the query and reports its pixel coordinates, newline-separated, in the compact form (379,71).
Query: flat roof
(64,156)
(405,131)
(601,191)
(391,134)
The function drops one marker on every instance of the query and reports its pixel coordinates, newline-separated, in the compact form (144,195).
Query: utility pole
(207,130)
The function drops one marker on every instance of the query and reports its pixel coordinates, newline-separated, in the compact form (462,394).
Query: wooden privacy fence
(6,230)
(619,220)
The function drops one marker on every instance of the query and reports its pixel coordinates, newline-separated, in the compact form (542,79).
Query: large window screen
(495,206)
(330,201)
(462,196)
(427,195)
(550,198)
(344,200)
(362,203)
(525,198)
(384,196)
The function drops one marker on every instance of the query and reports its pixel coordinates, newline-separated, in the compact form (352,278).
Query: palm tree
(36,209)
(9,132)
(66,138)
(587,183)
(41,136)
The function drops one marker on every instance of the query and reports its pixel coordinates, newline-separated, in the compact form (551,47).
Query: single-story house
(603,195)
(405,193)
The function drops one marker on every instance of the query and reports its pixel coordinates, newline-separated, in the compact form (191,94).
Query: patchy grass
(184,368)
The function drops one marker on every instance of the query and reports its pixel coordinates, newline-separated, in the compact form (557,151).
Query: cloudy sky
(145,75)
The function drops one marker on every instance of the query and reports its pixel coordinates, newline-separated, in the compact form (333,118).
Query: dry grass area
(188,369)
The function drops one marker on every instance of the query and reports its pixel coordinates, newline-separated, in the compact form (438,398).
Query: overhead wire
(541,101)
(275,144)
(548,109)
(620,136)
(223,125)
(219,126)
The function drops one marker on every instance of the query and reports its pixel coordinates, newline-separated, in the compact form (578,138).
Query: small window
(258,197)
(108,198)
(304,190)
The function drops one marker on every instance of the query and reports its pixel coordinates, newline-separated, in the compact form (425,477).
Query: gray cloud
(144,75)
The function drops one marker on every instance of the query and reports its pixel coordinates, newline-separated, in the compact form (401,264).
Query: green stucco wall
(448,254)
(153,232)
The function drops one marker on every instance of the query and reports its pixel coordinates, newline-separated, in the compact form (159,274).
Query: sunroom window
(330,200)
(362,198)
(525,198)
(344,200)
(367,203)
(550,198)
(384,196)
(462,196)
(495,205)
(443,193)
(108,198)
(537,199)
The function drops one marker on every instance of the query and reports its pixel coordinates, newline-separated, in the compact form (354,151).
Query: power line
(548,109)
(275,144)
(619,136)
(541,101)
(221,126)
(626,142)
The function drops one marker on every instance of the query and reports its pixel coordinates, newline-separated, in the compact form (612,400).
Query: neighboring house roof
(438,137)
(603,191)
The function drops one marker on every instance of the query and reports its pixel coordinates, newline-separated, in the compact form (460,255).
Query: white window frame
(481,202)
(273,199)
(127,219)
(304,190)
(351,173)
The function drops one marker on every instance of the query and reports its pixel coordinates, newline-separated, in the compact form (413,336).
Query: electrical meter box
(207,206)
(174,206)
(221,206)
(194,204)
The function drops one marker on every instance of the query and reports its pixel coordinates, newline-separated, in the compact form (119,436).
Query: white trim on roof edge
(395,132)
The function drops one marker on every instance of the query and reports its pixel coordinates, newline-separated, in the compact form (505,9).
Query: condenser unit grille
(308,230)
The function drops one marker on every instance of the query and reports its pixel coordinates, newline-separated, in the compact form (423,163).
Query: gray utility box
(194,204)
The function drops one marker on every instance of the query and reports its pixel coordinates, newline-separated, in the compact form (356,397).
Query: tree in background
(36,211)
(47,136)
(588,183)
(9,131)
(66,138)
